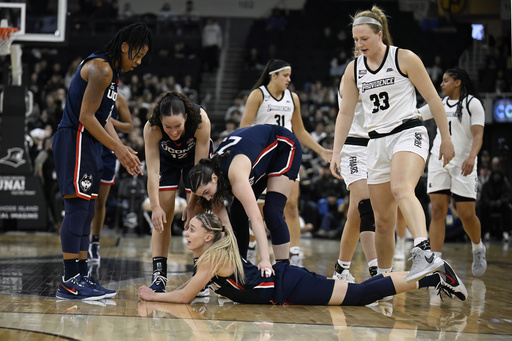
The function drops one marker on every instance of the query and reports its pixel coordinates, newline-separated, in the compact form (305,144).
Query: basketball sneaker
(76,288)
(94,252)
(296,259)
(158,282)
(93,283)
(479,262)
(204,292)
(424,261)
(450,283)
(342,274)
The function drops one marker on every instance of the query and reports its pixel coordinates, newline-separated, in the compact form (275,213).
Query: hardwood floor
(31,266)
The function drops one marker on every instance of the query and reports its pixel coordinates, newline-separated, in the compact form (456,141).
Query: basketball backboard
(38,21)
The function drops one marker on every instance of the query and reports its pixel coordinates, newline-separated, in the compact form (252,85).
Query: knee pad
(274,217)
(72,228)
(366,214)
(369,291)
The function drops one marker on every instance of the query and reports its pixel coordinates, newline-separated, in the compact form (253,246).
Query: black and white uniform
(354,152)
(391,117)
(449,177)
(274,111)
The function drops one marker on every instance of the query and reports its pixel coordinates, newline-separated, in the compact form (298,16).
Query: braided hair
(136,35)
(466,88)
(201,174)
(175,103)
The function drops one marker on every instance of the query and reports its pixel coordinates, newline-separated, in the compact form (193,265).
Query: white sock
(438,254)
(373,262)
(418,240)
(383,271)
(344,265)
(478,246)
(295,250)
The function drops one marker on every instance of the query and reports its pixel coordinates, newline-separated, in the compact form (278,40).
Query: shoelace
(415,254)
(446,290)
(159,278)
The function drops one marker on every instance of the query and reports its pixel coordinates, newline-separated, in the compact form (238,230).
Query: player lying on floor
(221,267)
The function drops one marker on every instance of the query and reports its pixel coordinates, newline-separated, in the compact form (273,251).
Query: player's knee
(274,217)
(366,214)
(72,228)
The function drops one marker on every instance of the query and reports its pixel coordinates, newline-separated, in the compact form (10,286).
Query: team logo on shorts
(353,165)
(417,139)
(86,182)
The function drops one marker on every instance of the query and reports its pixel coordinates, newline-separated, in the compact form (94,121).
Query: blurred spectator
(126,12)
(169,84)
(212,43)
(254,61)
(276,26)
(495,205)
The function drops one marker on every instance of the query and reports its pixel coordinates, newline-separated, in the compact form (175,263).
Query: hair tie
(223,228)
(366,20)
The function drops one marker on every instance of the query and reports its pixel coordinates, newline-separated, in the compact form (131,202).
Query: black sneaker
(450,283)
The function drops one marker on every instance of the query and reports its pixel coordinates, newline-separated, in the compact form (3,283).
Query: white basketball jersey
(388,96)
(357,127)
(273,111)
(460,128)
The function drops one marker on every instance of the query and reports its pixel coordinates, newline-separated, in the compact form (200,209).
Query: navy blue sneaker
(93,283)
(158,282)
(76,288)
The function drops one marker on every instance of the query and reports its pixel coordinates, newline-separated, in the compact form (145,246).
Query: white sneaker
(296,259)
(479,262)
(251,254)
(345,276)
(423,263)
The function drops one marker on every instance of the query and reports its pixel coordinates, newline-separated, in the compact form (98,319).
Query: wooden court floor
(31,266)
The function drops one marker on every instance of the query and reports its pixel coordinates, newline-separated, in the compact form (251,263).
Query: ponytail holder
(223,228)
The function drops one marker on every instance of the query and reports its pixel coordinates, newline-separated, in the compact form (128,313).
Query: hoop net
(6,37)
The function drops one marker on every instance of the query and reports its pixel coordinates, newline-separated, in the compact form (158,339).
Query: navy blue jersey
(71,115)
(180,153)
(273,151)
(290,285)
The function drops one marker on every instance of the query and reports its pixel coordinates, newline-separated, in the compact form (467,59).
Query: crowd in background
(323,199)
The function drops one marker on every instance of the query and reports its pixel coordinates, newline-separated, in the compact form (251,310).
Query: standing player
(122,121)
(78,143)
(270,102)
(459,179)
(360,220)
(176,137)
(246,163)
(385,78)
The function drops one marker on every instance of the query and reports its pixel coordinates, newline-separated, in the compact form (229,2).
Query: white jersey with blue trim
(274,111)
(388,96)
(357,127)
(459,125)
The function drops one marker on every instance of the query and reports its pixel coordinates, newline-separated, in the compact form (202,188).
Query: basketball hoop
(6,37)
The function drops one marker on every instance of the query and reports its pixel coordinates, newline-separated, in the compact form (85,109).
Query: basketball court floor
(31,266)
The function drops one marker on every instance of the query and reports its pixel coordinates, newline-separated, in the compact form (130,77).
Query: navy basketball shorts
(109,166)
(171,174)
(288,157)
(294,285)
(78,163)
